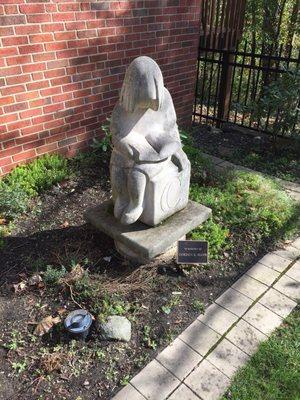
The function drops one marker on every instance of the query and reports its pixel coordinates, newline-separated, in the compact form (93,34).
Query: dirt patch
(54,233)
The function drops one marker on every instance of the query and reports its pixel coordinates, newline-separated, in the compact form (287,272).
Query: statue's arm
(136,147)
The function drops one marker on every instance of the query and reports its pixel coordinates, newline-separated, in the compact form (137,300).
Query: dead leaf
(45,325)
(65,224)
(20,287)
(35,280)
(3,221)
(51,362)
(73,276)
(61,311)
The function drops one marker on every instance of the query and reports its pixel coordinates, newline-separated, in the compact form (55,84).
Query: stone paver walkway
(201,362)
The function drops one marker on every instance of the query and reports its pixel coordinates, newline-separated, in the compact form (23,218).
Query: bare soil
(55,233)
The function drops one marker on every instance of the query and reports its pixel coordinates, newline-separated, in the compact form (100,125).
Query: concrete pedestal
(140,242)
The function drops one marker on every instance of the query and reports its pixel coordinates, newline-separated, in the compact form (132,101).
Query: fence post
(225,87)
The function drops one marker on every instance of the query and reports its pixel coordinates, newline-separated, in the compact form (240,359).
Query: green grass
(273,373)
(243,205)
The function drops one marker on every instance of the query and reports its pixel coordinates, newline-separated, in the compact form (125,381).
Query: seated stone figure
(150,172)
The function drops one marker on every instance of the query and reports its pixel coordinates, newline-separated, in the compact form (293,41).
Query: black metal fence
(254,88)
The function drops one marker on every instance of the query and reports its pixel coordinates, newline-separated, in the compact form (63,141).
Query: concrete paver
(262,318)
(218,318)
(276,262)
(289,287)
(227,357)
(249,287)
(263,274)
(234,301)
(155,382)
(183,393)
(207,381)
(278,303)
(179,358)
(294,271)
(200,337)
(246,337)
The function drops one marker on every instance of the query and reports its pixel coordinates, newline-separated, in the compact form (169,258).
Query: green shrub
(13,200)
(215,234)
(242,202)
(53,275)
(38,175)
(27,181)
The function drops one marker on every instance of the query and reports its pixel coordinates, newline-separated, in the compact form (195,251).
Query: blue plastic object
(78,323)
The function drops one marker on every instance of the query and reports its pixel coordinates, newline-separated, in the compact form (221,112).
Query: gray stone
(115,328)
(143,241)
(149,171)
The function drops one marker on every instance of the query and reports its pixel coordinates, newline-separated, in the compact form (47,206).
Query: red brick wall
(62,63)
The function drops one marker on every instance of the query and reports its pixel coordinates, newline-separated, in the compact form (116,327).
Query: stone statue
(150,173)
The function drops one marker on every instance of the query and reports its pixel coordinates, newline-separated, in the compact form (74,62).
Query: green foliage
(215,234)
(38,175)
(174,301)
(273,373)
(53,275)
(148,338)
(185,137)
(13,201)
(240,201)
(104,144)
(113,305)
(198,306)
(27,181)
(280,96)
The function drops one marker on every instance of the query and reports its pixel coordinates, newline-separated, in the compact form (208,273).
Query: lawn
(53,262)
(273,373)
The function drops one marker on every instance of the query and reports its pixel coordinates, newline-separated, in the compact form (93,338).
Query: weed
(16,341)
(53,275)
(103,145)
(198,306)
(125,380)
(19,367)
(174,301)
(215,234)
(113,305)
(147,338)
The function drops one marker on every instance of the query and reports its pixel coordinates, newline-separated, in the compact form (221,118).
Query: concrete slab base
(141,243)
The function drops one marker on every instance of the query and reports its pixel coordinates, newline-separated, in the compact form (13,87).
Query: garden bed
(250,150)
(51,240)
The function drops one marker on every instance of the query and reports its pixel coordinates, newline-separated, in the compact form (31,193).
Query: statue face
(143,86)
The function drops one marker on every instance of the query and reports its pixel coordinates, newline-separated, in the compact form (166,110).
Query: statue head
(143,85)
